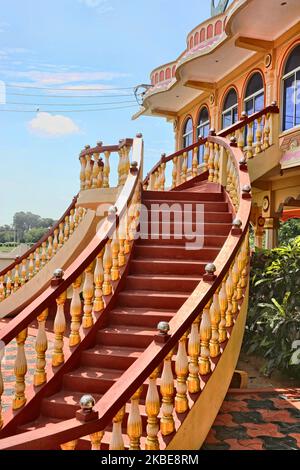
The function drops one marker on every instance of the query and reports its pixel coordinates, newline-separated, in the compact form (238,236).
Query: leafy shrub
(273,325)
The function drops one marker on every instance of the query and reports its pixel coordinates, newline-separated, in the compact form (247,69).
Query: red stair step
(110,357)
(182,196)
(119,335)
(162,283)
(176,252)
(167,266)
(91,380)
(142,317)
(153,299)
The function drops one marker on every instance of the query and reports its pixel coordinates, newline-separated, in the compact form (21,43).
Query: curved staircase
(150,384)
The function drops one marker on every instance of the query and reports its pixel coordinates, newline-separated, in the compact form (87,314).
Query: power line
(69,96)
(69,104)
(65,88)
(66,111)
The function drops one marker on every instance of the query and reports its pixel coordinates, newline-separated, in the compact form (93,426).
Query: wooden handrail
(44,238)
(152,357)
(224,133)
(107,148)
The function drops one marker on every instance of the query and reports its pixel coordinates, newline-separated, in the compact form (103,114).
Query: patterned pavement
(257,420)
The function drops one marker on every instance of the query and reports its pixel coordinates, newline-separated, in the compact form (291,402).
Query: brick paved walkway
(266,420)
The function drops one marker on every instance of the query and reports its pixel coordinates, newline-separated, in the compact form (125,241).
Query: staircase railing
(95,173)
(254,134)
(96,273)
(199,335)
(28,265)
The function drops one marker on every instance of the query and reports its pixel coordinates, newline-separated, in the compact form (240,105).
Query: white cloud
(49,125)
(101,6)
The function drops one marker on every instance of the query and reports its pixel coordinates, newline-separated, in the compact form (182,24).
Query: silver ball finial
(210,268)
(58,273)
(163,328)
(237,223)
(87,403)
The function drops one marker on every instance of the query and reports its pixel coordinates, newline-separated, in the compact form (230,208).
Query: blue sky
(78,43)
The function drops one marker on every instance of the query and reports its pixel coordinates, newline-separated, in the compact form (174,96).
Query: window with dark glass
(202,131)
(188,139)
(255,94)
(291,91)
(230,109)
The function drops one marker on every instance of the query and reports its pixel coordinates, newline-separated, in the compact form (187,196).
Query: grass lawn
(5,249)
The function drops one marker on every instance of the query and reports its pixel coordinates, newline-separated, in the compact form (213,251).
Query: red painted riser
(161,276)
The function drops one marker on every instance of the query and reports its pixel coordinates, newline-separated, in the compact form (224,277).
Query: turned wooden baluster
(167,424)
(41,346)
(8,284)
(134,423)
(182,371)
(61,236)
(16,278)
(229,292)
(240,265)
(174,173)
(223,302)
(121,166)
(96,440)
(20,370)
(31,266)
(235,274)
(117,442)
(258,145)
(126,162)
(195,162)
(55,241)
(206,155)
(23,272)
(250,138)
(59,330)
(88,297)
(162,177)
(241,138)
(193,380)
(2,291)
(66,229)
(76,314)
(216,164)
(267,131)
(37,260)
(184,168)
(115,246)
(152,182)
(69,445)
(106,170)
(122,237)
(2,352)
(152,411)
(107,264)
(205,337)
(215,318)
(98,305)
(96,170)
(72,221)
(44,254)
(156,179)
(82,173)
(88,172)
(50,247)
(211,166)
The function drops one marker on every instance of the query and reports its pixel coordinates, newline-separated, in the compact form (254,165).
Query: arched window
(188,138)
(202,131)
(255,94)
(291,91)
(230,109)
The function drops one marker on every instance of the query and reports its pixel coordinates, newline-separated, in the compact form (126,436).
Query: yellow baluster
(117,442)
(206,155)
(23,272)
(8,284)
(50,247)
(66,229)
(267,131)
(223,308)
(96,170)
(106,170)
(44,254)
(258,146)
(167,425)
(76,314)
(31,266)
(195,162)
(193,380)
(61,237)
(184,168)
(162,177)
(88,172)
(205,337)
(69,445)
(115,246)
(241,138)
(20,371)
(107,264)
(182,371)
(41,346)
(215,318)
(2,291)
(211,160)
(96,440)
(152,410)
(55,241)
(235,280)
(216,163)
(72,221)
(88,296)
(122,238)
(2,352)
(59,330)
(98,280)
(134,423)
(174,172)
(82,173)
(229,292)
(16,279)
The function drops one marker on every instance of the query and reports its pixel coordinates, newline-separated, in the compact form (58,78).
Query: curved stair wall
(185,364)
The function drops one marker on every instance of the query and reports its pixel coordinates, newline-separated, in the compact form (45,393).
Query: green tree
(34,235)
(288,231)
